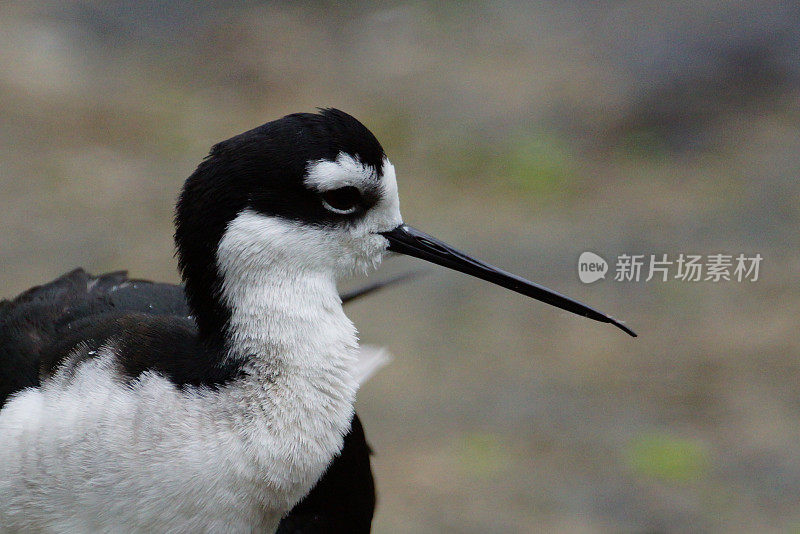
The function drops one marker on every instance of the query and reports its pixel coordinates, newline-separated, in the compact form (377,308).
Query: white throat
(287,321)
(284,305)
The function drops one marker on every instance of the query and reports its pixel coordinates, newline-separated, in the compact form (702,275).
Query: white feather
(324,175)
(370,360)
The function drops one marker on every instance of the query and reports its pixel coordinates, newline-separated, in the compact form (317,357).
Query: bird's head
(309,193)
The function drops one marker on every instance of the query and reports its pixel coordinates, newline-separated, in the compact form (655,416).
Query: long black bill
(407,240)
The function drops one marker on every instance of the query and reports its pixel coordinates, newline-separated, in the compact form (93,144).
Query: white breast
(88,452)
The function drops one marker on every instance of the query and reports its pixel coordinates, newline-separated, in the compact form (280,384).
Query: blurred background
(525,133)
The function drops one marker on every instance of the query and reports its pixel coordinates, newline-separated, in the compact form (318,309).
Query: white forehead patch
(325,175)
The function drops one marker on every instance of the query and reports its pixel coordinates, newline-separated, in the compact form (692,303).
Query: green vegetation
(668,458)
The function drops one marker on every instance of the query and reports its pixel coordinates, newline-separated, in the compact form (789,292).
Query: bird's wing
(35,322)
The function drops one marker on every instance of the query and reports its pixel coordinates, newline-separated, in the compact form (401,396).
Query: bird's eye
(344,200)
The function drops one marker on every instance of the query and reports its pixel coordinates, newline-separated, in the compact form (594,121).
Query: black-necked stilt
(131,412)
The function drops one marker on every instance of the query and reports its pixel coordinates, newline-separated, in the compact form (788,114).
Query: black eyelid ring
(342,200)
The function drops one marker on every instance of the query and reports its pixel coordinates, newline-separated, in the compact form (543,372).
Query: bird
(224,404)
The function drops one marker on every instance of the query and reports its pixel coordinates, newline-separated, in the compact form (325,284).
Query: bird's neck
(286,319)
(268,304)
(296,396)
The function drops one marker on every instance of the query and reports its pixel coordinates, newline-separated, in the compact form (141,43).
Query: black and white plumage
(130,412)
(35,324)
(222,419)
